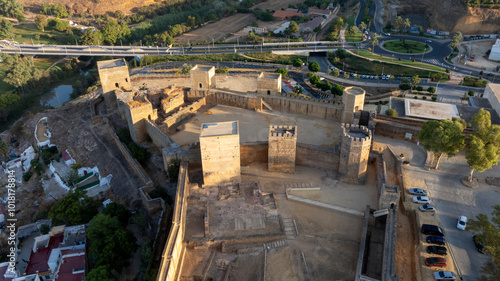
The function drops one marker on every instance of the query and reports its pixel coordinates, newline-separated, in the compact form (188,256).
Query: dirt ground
(91,6)
(479,49)
(254,126)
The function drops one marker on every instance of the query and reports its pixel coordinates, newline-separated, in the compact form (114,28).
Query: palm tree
(407,23)
(362,25)
(374,41)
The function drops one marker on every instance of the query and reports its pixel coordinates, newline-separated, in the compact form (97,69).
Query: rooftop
(111,63)
(202,68)
(3,270)
(495,88)
(430,110)
(38,261)
(286,14)
(312,24)
(65,155)
(354,91)
(313,10)
(219,129)
(69,265)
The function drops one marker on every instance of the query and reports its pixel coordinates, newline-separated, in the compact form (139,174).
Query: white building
(495,51)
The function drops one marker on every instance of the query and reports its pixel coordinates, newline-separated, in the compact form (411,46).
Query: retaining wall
(160,139)
(184,113)
(396,130)
(174,248)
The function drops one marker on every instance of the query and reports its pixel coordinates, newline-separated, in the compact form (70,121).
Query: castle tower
(114,75)
(220,152)
(353,100)
(354,152)
(202,77)
(135,113)
(282,148)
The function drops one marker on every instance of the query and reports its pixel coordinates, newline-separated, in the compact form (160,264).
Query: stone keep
(282,148)
(114,75)
(354,152)
(353,100)
(135,113)
(220,153)
(202,77)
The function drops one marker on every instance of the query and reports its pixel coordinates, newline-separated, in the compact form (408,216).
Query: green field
(25,34)
(354,37)
(360,65)
(405,47)
(370,55)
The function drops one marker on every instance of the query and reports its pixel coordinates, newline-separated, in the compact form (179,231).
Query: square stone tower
(114,75)
(354,152)
(282,148)
(202,77)
(353,100)
(135,113)
(220,152)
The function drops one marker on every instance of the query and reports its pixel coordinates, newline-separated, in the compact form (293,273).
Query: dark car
(431,229)
(479,245)
(437,250)
(439,262)
(438,240)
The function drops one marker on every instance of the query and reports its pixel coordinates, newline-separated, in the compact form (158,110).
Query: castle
(221,153)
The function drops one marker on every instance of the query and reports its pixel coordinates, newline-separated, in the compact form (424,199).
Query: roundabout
(406,46)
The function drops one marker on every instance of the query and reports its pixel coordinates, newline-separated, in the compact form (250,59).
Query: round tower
(354,152)
(353,100)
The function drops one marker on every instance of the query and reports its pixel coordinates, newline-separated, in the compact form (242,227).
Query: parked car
(418,191)
(479,245)
(437,250)
(431,229)
(462,222)
(428,41)
(421,199)
(439,262)
(437,240)
(427,208)
(372,77)
(445,275)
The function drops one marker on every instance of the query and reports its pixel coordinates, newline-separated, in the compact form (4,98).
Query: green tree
(74,208)
(352,30)
(6,29)
(431,89)
(362,25)
(119,211)
(336,72)
(484,144)
(7,101)
(406,24)
(415,80)
(112,245)
(191,21)
(169,40)
(346,75)
(101,273)
(314,67)
(59,10)
(90,37)
(391,112)
(292,28)
(488,232)
(338,23)
(297,62)
(373,42)
(11,8)
(61,25)
(471,93)
(283,71)
(442,137)
(399,22)
(41,22)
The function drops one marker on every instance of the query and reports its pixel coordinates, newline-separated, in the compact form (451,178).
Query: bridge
(9,47)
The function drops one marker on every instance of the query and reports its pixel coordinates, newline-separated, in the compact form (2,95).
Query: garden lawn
(474,82)
(370,55)
(362,66)
(405,47)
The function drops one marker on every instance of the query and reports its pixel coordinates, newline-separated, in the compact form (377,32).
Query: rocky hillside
(452,15)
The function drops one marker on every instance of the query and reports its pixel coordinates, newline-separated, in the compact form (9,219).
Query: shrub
(420,88)
(424,97)
(434,98)
(44,229)
(431,89)
(404,86)
(173,169)
(27,176)
(37,166)
(391,112)
(76,166)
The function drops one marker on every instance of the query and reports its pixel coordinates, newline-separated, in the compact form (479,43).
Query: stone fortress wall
(282,148)
(354,152)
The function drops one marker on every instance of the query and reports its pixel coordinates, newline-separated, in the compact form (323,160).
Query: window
(201,86)
(126,80)
(116,85)
(268,92)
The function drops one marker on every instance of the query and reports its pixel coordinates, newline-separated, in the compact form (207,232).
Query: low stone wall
(151,205)
(28,229)
(174,248)
(184,113)
(310,107)
(317,157)
(160,139)
(396,130)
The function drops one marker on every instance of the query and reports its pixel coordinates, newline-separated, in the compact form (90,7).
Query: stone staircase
(275,244)
(289,227)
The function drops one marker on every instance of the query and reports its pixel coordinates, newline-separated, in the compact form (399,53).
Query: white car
(427,208)
(421,199)
(462,222)
(445,275)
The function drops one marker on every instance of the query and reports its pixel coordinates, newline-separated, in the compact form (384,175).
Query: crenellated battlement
(282,131)
(349,131)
